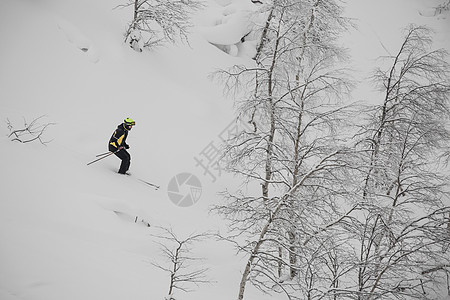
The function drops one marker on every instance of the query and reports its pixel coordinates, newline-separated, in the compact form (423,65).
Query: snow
(229,26)
(79,40)
(67,230)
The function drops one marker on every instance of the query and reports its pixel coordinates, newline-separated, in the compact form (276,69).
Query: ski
(149,183)
(156,187)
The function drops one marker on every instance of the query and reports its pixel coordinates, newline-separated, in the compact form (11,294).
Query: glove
(127,146)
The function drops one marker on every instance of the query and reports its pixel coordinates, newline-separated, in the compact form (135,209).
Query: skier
(118,145)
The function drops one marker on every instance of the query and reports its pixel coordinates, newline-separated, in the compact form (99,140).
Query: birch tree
(403,233)
(293,152)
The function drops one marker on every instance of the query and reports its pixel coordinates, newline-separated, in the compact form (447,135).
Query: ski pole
(108,154)
(98,155)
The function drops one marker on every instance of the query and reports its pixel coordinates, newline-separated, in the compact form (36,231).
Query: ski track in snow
(123,210)
(78,39)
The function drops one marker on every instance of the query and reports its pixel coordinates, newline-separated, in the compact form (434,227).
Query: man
(118,145)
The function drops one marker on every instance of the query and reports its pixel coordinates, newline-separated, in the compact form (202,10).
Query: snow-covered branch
(156,22)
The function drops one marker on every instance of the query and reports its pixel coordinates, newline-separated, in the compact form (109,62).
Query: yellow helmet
(129,122)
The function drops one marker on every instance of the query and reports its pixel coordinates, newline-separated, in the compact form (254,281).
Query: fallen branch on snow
(31,132)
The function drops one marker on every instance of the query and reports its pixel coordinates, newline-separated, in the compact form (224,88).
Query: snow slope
(67,230)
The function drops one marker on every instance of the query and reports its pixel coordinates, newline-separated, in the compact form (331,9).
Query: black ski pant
(125,157)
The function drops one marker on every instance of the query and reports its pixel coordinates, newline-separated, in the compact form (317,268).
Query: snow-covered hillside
(72,231)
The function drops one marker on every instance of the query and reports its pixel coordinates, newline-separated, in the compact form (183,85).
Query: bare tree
(30,132)
(155,22)
(177,251)
(392,240)
(293,152)
(403,230)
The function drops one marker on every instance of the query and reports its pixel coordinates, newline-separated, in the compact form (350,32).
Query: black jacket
(119,137)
